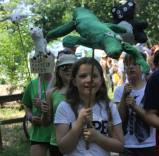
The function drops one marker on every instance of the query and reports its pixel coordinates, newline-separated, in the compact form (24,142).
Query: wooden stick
(44,83)
(43,114)
(89,104)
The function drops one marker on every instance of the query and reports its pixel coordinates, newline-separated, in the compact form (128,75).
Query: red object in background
(154,49)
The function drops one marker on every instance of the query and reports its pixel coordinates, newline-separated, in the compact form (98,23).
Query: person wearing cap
(64,51)
(57,93)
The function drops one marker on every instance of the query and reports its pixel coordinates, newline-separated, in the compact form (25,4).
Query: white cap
(66,59)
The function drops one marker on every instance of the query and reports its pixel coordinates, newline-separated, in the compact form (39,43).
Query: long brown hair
(72,95)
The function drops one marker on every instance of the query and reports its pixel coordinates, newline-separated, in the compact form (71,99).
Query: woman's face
(83,80)
(65,72)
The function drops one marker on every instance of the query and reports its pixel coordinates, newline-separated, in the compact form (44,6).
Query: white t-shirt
(64,114)
(137,134)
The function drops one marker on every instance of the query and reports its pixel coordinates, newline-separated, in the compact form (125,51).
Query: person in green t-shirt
(37,113)
(57,94)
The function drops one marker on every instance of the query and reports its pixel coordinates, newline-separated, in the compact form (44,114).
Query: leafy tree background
(13,56)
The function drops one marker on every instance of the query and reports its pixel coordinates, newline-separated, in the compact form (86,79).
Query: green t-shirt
(37,133)
(56,98)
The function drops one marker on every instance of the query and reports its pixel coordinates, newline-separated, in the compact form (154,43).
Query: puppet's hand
(60,31)
(128,48)
(145,68)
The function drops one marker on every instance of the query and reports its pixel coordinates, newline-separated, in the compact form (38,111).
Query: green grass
(13,138)
(14,141)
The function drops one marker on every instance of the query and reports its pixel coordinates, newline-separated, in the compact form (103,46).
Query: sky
(4,1)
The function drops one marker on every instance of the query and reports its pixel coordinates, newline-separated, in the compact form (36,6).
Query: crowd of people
(72,114)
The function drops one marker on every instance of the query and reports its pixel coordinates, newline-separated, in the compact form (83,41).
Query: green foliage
(52,15)
(101,8)
(148,10)
(13,54)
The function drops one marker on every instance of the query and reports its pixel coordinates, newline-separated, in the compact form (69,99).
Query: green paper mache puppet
(96,35)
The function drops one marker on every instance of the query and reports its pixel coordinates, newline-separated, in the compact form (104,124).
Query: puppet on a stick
(96,35)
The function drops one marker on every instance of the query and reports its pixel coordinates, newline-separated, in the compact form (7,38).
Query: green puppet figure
(97,35)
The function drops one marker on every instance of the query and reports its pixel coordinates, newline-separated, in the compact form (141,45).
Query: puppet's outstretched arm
(128,48)
(60,31)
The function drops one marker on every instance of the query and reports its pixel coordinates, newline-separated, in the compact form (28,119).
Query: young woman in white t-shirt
(73,115)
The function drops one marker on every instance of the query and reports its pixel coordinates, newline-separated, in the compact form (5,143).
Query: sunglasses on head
(66,67)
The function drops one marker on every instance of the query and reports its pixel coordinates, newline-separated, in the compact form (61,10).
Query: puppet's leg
(128,48)
(71,41)
(112,47)
(60,31)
